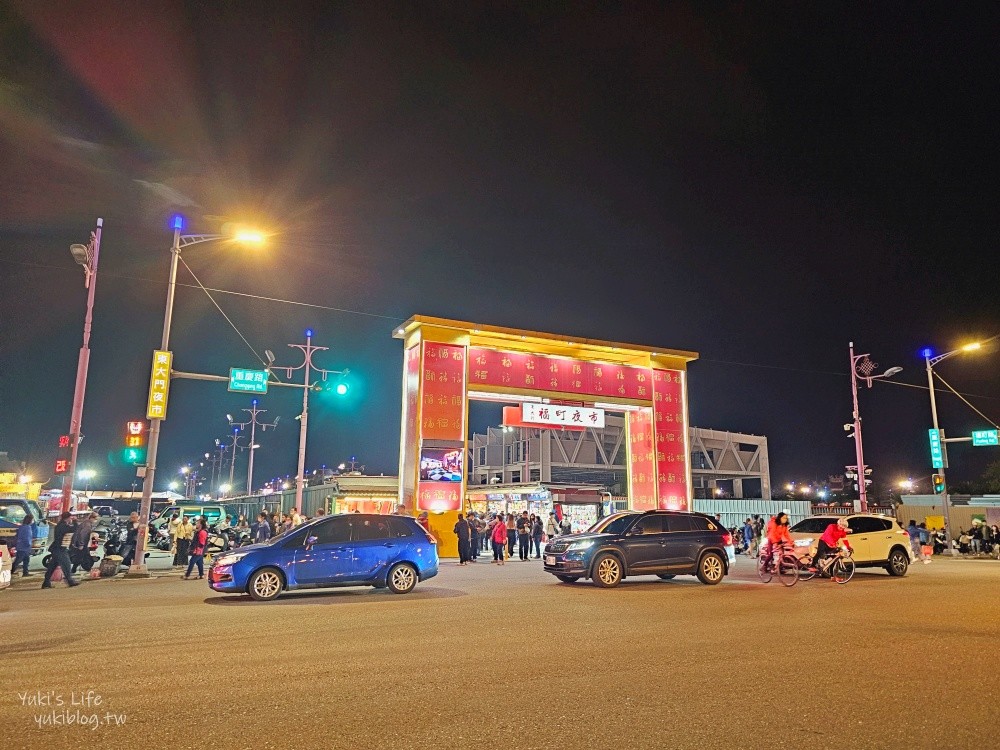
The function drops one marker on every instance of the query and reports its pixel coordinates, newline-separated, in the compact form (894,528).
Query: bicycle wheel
(764,569)
(842,570)
(804,573)
(788,570)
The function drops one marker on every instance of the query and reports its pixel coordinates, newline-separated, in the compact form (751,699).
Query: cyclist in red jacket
(835,534)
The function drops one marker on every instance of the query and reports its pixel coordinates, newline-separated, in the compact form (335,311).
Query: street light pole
(307,366)
(138,567)
(86,256)
(934,422)
(863,367)
(253,424)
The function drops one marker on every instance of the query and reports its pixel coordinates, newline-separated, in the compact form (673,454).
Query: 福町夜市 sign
(247,381)
(565,416)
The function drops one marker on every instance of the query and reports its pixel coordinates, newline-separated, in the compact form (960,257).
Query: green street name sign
(247,381)
(937,455)
(985,437)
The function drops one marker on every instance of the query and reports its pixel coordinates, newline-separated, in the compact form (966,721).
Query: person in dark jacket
(464,535)
(537,531)
(22,543)
(262,529)
(59,548)
(473,536)
(198,544)
(79,547)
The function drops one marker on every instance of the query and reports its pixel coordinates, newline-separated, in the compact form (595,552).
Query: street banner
(159,385)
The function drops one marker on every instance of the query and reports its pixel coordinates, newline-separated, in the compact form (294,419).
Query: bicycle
(780,561)
(838,566)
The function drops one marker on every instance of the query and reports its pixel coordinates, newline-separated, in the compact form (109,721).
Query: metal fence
(735,511)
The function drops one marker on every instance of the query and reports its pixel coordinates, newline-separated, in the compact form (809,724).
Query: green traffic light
(341,389)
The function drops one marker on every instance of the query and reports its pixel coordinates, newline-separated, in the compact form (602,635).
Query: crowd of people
(479,533)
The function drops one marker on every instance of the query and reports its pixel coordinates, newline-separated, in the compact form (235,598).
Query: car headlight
(230,559)
(583,544)
(803,542)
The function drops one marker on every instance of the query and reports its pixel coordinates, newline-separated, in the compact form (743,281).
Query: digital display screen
(441,464)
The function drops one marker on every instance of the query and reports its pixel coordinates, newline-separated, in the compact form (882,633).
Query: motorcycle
(116,542)
(159,538)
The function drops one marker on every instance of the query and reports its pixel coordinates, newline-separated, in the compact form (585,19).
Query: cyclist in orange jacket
(777,534)
(835,534)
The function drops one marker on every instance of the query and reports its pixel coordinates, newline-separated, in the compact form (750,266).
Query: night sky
(761,183)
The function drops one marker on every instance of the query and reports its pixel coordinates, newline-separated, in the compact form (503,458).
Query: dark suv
(662,543)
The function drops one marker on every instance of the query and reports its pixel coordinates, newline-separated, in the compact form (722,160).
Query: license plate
(550,559)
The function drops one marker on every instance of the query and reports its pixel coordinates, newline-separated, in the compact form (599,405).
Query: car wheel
(607,571)
(265,585)
(401,579)
(665,576)
(898,563)
(711,569)
(568,579)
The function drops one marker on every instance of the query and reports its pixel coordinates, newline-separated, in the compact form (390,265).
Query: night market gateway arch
(448,362)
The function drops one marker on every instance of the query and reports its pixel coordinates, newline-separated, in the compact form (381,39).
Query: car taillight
(727,539)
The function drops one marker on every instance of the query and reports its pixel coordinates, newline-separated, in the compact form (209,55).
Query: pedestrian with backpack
(199,541)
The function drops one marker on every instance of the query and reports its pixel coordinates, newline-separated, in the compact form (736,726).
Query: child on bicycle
(835,534)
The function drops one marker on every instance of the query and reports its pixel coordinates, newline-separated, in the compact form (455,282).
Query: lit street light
(180,241)
(86,475)
(87,256)
(930,362)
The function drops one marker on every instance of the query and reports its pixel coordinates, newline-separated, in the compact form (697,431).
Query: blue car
(356,549)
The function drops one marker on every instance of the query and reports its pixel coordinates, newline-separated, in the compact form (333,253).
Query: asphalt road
(490,657)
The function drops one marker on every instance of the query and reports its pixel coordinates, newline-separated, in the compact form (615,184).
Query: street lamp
(930,361)
(86,475)
(862,367)
(87,256)
(307,365)
(180,241)
(253,424)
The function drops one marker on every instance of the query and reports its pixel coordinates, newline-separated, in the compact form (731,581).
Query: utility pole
(254,423)
(307,366)
(225,447)
(86,256)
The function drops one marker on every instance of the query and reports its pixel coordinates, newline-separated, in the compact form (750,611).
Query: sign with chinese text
(560,416)
(670,439)
(439,496)
(937,454)
(985,437)
(410,427)
(247,381)
(159,385)
(442,409)
(491,368)
(641,468)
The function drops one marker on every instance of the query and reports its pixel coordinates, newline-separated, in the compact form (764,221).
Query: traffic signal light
(64,454)
(134,451)
(938,484)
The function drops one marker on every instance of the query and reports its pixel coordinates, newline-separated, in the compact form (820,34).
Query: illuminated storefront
(447,362)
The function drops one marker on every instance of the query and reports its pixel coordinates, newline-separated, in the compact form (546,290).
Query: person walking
(474,530)
(131,539)
(536,536)
(79,546)
(511,526)
(22,544)
(174,529)
(523,524)
(199,541)
(59,548)
(500,538)
(551,526)
(913,531)
(464,535)
(185,533)
(749,538)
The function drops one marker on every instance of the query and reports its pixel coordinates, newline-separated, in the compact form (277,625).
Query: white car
(878,541)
